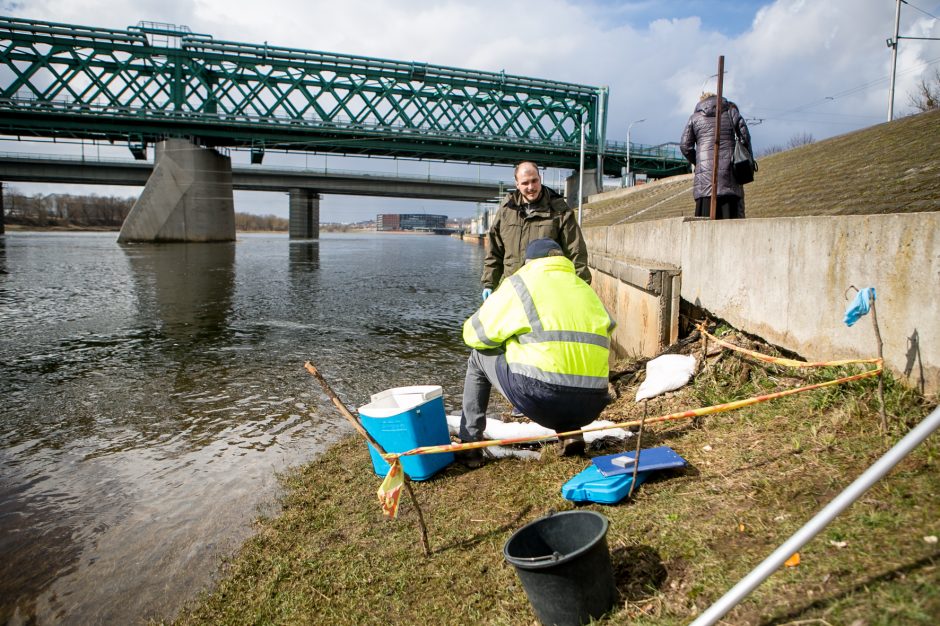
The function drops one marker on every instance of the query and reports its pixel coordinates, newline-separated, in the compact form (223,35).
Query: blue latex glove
(486,293)
(860,305)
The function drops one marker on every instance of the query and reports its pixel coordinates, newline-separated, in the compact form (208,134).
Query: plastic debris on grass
(666,373)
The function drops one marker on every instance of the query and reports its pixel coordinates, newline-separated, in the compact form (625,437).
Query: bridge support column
(188,197)
(572,183)
(304,218)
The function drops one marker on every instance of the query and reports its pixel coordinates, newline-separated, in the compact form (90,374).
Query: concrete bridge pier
(592,185)
(304,218)
(188,197)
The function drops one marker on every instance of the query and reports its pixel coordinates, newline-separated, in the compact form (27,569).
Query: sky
(794,67)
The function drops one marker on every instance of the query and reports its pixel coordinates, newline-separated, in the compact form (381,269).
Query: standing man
(532,212)
(542,339)
(698,147)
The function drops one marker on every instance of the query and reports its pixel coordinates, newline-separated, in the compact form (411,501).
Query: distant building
(410,221)
(485,216)
(387,221)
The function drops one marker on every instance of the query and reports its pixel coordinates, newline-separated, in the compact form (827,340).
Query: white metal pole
(581,174)
(629,182)
(894,60)
(841,502)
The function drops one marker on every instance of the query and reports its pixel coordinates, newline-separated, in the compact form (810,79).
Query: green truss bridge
(188,95)
(153,81)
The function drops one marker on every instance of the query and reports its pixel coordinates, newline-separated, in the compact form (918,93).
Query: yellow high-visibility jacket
(556,335)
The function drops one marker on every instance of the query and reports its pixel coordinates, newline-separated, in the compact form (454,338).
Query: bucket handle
(554,556)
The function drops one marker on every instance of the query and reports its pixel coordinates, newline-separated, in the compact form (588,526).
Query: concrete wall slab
(786,280)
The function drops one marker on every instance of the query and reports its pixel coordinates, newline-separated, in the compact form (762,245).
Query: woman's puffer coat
(698,146)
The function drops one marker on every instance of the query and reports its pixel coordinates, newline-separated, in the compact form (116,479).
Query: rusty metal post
(714,200)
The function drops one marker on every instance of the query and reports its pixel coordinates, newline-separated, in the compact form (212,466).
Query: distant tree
(797,140)
(250,222)
(94,211)
(66,210)
(774,149)
(800,139)
(927,95)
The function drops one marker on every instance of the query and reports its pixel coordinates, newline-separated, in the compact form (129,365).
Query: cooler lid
(400,399)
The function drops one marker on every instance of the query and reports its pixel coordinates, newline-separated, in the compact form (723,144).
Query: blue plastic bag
(860,305)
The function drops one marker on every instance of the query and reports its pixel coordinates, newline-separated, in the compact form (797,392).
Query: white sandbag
(665,373)
(497,429)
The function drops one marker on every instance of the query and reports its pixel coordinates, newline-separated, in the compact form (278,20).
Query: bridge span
(38,168)
(163,85)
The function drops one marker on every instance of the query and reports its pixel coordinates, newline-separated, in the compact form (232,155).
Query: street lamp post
(627,181)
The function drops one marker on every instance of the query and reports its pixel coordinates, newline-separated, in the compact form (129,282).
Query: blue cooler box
(403,418)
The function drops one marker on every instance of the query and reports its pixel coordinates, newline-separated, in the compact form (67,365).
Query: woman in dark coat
(698,147)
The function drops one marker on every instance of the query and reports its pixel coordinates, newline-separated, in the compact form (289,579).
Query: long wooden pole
(881,384)
(375,444)
(714,200)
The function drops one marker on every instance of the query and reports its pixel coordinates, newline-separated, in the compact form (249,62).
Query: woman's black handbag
(743,164)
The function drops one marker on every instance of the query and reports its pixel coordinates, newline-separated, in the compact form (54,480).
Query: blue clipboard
(650,459)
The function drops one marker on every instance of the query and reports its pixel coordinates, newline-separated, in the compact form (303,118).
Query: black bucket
(564,565)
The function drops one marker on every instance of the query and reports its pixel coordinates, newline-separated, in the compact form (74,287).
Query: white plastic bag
(665,373)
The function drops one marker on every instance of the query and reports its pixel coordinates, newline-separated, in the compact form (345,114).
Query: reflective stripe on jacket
(554,328)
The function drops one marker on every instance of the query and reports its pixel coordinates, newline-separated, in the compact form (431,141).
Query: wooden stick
(636,461)
(704,351)
(881,385)
(362,431)
(713,202)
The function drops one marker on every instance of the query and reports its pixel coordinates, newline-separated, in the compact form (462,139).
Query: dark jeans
(480,379)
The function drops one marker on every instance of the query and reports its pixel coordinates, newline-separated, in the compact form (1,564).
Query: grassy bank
(754,477)
(836,176)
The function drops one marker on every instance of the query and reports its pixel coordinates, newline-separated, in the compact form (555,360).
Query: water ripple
(152,392)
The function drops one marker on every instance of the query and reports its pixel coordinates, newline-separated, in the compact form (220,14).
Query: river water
(152,392)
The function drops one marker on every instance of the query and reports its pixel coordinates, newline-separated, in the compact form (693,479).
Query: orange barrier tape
(394,476)
(708,410)
(389,491)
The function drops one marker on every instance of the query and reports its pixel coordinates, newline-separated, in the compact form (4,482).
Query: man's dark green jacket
(518,222)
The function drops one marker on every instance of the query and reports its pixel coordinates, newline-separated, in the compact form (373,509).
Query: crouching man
(542,339)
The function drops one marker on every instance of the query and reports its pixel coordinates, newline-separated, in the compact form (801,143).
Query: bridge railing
(337,123)
(669,151)
(325,170)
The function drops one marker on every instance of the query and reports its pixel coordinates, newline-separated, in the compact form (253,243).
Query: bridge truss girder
(155,81)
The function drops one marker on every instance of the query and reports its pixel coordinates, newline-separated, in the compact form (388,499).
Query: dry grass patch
(888,168)
(754,477)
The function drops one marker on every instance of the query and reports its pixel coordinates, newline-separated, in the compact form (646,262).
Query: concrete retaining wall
(643,298)
(785,280)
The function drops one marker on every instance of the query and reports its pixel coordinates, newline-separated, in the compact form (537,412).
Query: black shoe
(471,459)
(572,446)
